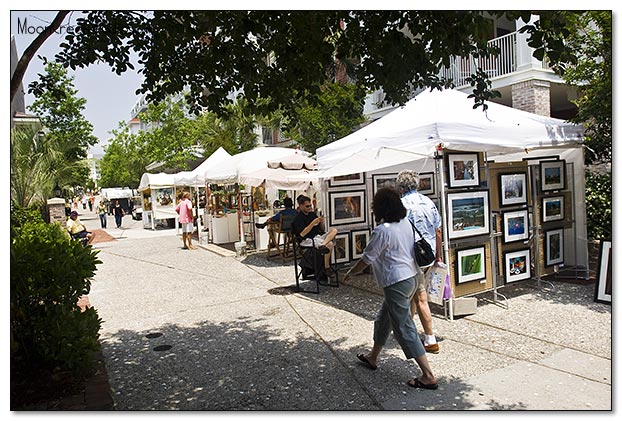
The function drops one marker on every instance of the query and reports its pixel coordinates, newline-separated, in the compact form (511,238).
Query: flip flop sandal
(365,360)
(418,385)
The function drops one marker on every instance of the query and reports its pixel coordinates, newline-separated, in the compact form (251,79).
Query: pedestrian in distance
(390,252)
(118,213)
(184,209)
(423,213)
(102,211)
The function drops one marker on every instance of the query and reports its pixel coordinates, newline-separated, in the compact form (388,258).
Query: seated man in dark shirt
(309,230)
(289,210)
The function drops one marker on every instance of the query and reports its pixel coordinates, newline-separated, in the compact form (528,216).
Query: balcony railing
(460,68)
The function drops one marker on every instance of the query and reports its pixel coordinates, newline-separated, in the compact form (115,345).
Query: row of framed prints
(350,245)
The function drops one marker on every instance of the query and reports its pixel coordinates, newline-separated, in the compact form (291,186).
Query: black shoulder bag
(424,255)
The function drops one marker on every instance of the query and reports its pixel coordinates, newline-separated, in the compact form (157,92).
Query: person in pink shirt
(184,209)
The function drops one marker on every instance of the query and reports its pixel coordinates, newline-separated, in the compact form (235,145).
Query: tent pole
(442,202)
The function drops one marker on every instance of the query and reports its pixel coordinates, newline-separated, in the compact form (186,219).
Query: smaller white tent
(149,180)
(292,172)
(196,177)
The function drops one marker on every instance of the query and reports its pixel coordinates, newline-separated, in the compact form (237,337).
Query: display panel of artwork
(553,175)
(517,265)
(554,247)
(359,242)
(341,252)
(163,197)
(552,208)
(347,180)
(513,189)
(468,214)
(383,180)
(604,276)
(463,170)
(515,226)
(471,264)
(347,207)
(426,183)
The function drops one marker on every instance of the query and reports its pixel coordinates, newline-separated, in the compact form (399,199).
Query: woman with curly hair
(390,252)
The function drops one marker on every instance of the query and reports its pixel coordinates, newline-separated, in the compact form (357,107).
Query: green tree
(123,162)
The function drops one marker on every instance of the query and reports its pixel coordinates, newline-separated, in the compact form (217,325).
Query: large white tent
(196,177)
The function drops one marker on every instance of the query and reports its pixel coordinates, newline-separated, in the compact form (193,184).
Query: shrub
(598,205)
(49,273)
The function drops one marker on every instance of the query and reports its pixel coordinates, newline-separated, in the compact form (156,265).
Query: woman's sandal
(416,383)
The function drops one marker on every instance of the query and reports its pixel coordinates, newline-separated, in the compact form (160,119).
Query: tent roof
(413,131)
(197,176)
(149,180)
(116,193)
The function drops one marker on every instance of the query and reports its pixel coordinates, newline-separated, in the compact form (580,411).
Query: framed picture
(554,247)
(383,180)
(359,242)
(515,226)
(552,208)
(513,189)
(553,175)
(471,264)
(341,253)
(603,287)
(468,214)
(163,197)
(347,180)
(463,169)
(517,265)
(426,183)
(347,207)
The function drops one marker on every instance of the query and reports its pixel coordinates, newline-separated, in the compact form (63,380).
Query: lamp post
(57,190)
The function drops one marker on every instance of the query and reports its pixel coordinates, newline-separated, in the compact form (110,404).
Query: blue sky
(109,97)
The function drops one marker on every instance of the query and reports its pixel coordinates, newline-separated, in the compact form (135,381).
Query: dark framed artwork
(383,180)
(341,252)
(463,169)
(468,214)
(471,264)
(347,180)
(552,208)
(426,183)
(513,189)
(552,175)
(515,226)
(604,274)
(517,265)
(360,239)
(554,247)
(347,207)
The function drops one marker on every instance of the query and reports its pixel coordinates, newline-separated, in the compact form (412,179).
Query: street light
(57,190)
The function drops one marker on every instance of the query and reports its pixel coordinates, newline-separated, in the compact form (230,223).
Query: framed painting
(359,242)
(554,247)
(517,265)
(471,264)
(463,169)
(515,226)
(603,287)
(426,183)
(341,252)
(468,214)
(513,189)
(347,207)
(553,175)
(347,180)
(383,180)
(163,197)
(552,208)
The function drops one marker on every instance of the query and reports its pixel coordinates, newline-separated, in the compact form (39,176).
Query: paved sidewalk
(194,330)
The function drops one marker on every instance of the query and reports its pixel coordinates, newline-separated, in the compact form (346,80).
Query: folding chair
(277,231)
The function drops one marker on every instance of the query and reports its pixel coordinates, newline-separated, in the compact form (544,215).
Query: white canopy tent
(196,177)
(291,172)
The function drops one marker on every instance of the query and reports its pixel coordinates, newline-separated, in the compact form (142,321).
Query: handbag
(424,255)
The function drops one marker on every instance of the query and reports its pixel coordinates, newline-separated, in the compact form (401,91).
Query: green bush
(49,273)
(598,205)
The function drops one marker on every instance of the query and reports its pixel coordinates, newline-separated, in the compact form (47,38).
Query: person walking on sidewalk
(184,209)
(390,252)
(102,211)
(423,213)
(118,213)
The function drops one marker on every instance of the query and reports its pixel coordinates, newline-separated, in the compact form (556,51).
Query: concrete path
(196,330)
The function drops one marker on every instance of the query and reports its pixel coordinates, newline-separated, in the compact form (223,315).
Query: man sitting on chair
(289,210)
(310,231)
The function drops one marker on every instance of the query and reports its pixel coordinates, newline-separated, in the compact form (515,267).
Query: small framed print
(604,276)
(471,264)
(426,183)
(359,242)
(554,247)
(515,226)
(383,180)
(553,175)
(468,214)
(347,180)
(552,208)
(341,252)
(347,207)
(513,189)
(517,265)
(463,169)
